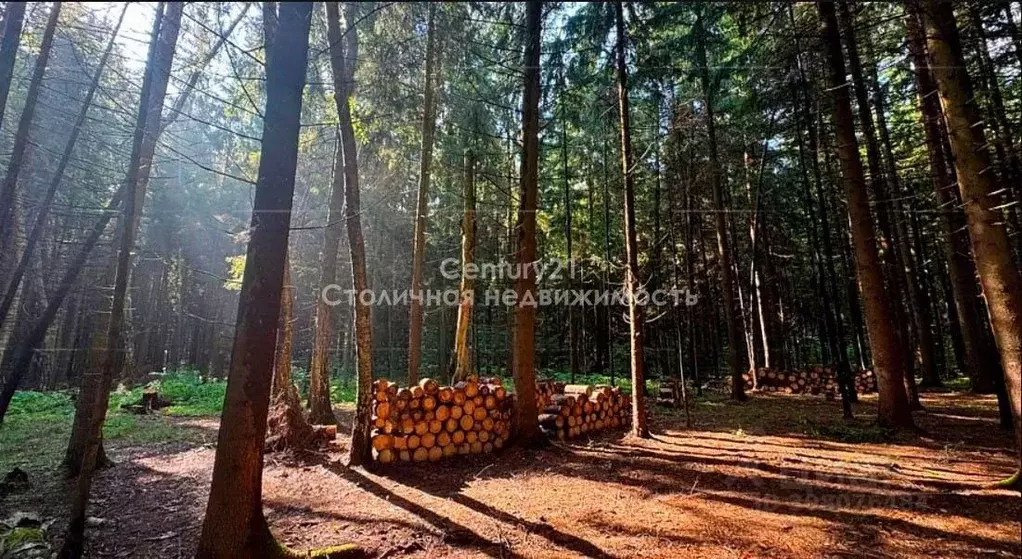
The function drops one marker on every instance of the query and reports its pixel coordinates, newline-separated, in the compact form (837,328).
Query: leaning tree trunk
(234,524)
(36,232)
(632,283)
(462,356)
(9,186)
(977,355)
(882,196)
(890,366)
(524,334)
(10,371)
(735,337)
(999,275)
(415,308)
(343,57)
(104,365)
(14,17)
(95,394)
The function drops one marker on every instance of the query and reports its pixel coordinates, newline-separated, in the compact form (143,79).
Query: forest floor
(778,476)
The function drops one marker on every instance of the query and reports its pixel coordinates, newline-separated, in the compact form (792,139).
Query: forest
(511,279)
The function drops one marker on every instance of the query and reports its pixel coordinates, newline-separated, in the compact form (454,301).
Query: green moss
(20,536)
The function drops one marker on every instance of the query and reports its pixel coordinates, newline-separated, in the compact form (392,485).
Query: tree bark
(320,407)
(960,267)
(917,297)
(736,339)
(9,186)
(285,334)
(14,17)
(633,284)
(102,363)
(36,233)
(890,366)
(234,524)
(999,275)
(524,336)
(94,396)
(415,308)
(343,58)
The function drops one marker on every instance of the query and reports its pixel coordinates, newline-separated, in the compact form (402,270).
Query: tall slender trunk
(956,242)
(735,337)
(917,298)
(882,197)
(566,178)
(234,524)
(999,275)
(18,356)
(462,357)
(415,309)
(831,320)
(633,284)
(36,233)
(890,366)
(103,363)
(285,334)
(320,407)
(988,86)
(343,59)
(14,17)
(95,393)
(9,186)
(524,336)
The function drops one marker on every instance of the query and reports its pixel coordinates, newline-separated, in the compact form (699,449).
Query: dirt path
(746,482)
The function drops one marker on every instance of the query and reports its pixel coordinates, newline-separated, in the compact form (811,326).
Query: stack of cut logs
(570,410)
(813,380)
(429,422)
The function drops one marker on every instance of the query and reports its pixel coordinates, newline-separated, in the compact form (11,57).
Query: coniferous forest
(511,279)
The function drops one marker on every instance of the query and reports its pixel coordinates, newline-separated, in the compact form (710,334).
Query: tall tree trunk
(828,290)
(462,357)
(524,336)
(343,58)
(890,366)
(234,524)
(566,178)
(917,297)
(633,284)
(103,364)
(320,407)
(988,86)
(956,242)
(735,337)
(9,186)
(882,196)
(14,17)
(415,308)
(96,385)
(18,356)
(999,275)
(36,233)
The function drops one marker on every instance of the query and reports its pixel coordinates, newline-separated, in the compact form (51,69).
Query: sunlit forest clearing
(521,279)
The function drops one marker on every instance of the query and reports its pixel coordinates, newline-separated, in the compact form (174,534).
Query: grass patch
(37,427)
(853,433)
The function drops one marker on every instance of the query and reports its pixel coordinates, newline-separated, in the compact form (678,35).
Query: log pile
(567,411)
(429,422)
(812,380)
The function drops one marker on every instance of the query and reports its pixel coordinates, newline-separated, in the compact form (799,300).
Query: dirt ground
(746,481)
